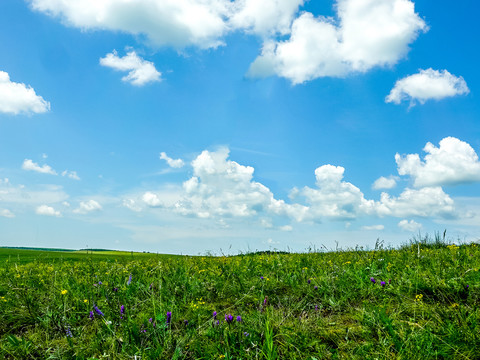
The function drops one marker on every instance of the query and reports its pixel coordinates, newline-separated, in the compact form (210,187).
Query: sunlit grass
(416,302)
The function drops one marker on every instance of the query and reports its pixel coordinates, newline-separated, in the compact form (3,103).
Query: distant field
(417,302)
(29,255)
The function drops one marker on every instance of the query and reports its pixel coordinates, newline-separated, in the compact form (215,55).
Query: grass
(416,302)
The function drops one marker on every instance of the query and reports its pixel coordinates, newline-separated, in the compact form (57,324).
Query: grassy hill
(417,302)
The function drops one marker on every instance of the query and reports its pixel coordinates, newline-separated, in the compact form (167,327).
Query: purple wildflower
(129,280)
(383,283)
(91,315)
(218,322)
(309,281)
(214,314)
(150,320)
(99,283)
(315,287)
(265,301)
(98,311)
(228,318)
(372,280)
(169,317)
(389,281)
(239,318)
(122,311)
(466,287)
(261,277)
(185,322)
(316,307)
(68,332)
(246,333)
(115,289)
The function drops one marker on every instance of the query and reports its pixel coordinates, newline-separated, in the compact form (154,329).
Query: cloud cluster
(221,188)
(427,85)
(453,162)
(17,98)
(140,71)
(224,188)
(363,35)
(368,34)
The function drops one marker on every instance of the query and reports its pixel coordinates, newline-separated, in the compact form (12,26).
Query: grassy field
(420,301)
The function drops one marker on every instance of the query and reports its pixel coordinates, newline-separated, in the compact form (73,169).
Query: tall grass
(416,302)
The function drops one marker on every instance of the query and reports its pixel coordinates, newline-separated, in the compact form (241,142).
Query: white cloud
(373,227)
(6,213)
(265,17)
(424,202)
(151,199)
(178,23)
(453,162)
(224,188)
(427,85)
(16,98)
(87,207)
(32,166)
(286,228)
(131,204)
(47,211)
(334,198)
(177,163)
(411,225)
(370,33)
(140,71)
(384,183)
(71,174)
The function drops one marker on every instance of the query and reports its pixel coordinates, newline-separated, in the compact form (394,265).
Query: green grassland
(420,301)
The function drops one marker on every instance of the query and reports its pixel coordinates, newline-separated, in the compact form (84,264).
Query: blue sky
(194,126)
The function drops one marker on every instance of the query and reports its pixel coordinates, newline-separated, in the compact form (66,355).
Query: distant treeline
(33,248)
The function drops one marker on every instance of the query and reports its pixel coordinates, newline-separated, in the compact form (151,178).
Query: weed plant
(420,301)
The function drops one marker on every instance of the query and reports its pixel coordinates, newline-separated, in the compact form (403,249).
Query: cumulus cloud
(334,198)
(71,174)
(151,199)
(427,85)
(16,98)
(140,71)
(177,163)
(384,183)
(86,207)
(224,188)
(29,165)
(373,227)
(369,33)
(424,202)
(178,23)
(265,17)
(453,162)
(47,211)
(6,213)
(411,225)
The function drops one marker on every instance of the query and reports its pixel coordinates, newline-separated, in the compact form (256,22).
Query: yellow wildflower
(64,292)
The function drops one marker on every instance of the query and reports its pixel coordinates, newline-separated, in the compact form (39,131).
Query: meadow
(418,301)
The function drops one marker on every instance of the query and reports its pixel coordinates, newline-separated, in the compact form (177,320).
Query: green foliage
(416,302)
